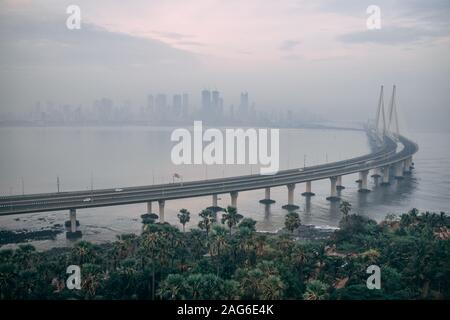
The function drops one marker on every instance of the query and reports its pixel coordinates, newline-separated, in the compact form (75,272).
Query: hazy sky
(315,55)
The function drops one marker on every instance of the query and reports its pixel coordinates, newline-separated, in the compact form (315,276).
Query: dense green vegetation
(228,259)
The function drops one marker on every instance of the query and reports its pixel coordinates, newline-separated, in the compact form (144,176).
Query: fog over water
(131,156)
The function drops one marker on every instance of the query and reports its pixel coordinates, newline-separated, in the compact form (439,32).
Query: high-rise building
(150,102)
(215,100)
(149,109)
(177,105)
(185,100)
(185,112)
(160,107)
(243,107)
(103,109)
(206,100)
(161,101)
(232,112)
(220,111)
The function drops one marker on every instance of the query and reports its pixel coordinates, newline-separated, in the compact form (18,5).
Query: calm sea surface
(130,156)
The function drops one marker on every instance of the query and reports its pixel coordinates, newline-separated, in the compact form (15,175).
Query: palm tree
(218,239)
(172,287)
(83,251)
(150,248)
(272,288)
(414,213)
(91,279)
(299,259)
(148,219)
(260,243)
(197,243)
(24,255)
(248,223)
(298,255)
(8,280)
(231,217)
(210,287)
(208,218)
(292,221)
(218,243)
(345,208)
(193,286)
(371,256)
(184,217)
(128,243)
(316,290)
(250,282)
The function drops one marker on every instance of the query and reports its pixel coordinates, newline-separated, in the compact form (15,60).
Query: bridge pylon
(393,116)
(381,114)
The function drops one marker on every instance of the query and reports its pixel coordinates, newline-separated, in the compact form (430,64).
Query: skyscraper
(150,102)
(206,100)
(243,107)
(160,107)
(149,110)
(177,105)
(215,100)
(185,112)
(161,102)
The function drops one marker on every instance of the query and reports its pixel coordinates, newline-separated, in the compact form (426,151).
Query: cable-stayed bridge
(391,155)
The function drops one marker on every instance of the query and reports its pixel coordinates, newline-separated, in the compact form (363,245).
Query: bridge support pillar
(161,210)
(407,166)
(385,181)
(399,170)
(214,207)
(234,196)
(149,207)
(308,192)
(73,233)
(376,175)
(333,195)
(359,180)
(73,220)
(267,199)
(291,205)
(291,188)
(411,163)
(363,186)
(339,185)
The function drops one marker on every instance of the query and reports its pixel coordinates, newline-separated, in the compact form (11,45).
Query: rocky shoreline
(25,235)
(303,233)
(307,232)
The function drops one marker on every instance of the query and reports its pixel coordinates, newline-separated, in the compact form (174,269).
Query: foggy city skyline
(153,47)
(226,150)
(159,109)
